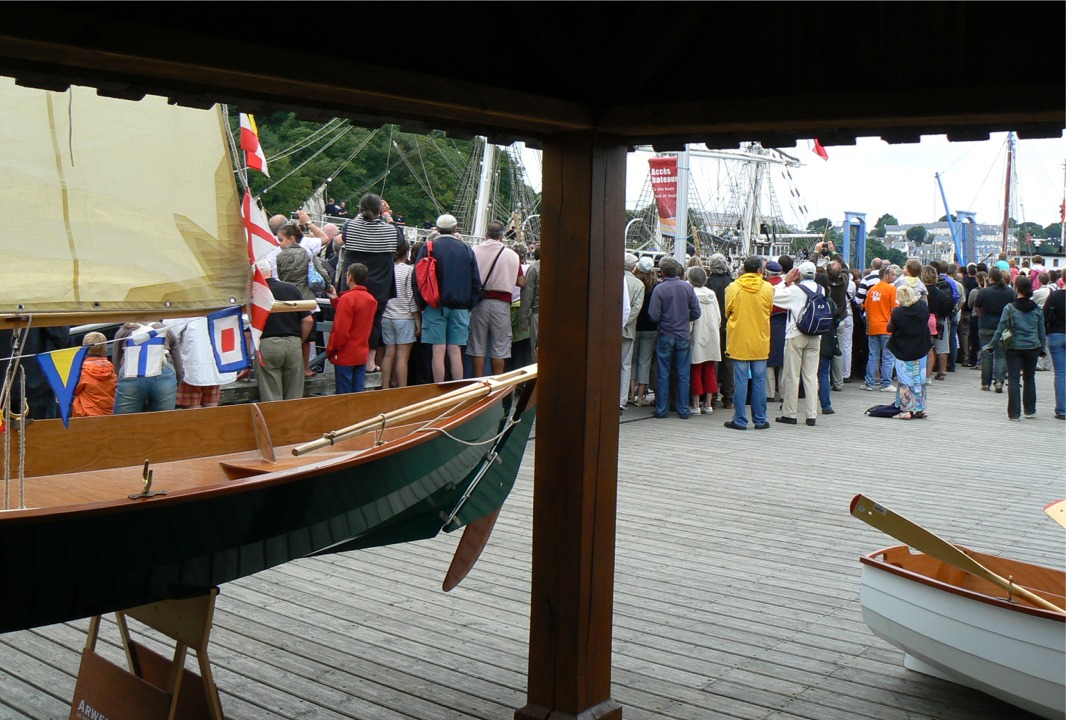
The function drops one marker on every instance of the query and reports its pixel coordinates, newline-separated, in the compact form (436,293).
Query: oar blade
(475,537)
(914,535)
(920,539)
(1057,511)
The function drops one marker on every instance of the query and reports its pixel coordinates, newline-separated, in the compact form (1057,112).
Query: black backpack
(947,299)
(816,318)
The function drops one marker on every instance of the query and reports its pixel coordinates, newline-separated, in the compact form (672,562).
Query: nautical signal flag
(254,157)
(226,331)
(62,368)
(819,150)
(261,243)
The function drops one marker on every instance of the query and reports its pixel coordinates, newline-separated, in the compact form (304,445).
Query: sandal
(905,416)
(920,415)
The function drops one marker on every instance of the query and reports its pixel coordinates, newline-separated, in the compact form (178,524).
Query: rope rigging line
(388,160)
(425,172)
(330,127)
(241,170)
(301,165)
(414,173)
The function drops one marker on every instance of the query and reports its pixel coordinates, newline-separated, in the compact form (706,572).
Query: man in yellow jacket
(748,302)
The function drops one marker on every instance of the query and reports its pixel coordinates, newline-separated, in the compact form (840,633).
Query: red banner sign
(664,185)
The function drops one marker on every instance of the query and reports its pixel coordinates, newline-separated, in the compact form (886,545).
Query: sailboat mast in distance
(1006,191)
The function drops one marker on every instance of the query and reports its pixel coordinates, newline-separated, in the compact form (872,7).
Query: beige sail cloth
(115,206)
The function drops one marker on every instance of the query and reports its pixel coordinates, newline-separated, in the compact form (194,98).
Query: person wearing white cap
(447,327)
(801,350)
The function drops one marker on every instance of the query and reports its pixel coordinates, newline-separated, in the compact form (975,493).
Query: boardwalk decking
(736,592)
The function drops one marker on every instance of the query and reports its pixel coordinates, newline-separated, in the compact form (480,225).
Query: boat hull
(1007,650)
(78,562)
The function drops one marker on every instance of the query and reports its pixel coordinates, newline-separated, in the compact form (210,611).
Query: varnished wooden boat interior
(101,459)
(1046,582)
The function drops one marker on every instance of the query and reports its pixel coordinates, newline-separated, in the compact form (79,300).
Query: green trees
(875,248)
(419,175)
(879,228)
(916,234)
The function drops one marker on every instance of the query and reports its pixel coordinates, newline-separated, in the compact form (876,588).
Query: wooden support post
(153,687)
(583,225)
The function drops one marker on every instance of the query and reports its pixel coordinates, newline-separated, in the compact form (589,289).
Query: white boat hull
(1016,656)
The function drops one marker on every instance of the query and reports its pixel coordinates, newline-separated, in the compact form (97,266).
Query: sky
(875,178)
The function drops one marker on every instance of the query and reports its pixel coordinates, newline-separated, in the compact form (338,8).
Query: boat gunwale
(873,561)
(57,513)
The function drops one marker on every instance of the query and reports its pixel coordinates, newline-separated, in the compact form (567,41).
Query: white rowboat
(958,627)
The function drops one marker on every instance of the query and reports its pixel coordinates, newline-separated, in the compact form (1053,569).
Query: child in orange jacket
(95,393)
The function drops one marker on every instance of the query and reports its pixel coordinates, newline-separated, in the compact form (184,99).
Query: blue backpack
(816,318)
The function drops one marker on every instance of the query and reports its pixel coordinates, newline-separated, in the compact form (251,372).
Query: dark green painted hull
(66,566)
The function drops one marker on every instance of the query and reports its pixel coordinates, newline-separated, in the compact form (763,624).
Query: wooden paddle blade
(1057,511)
(920,539)
(262,435)
(475,536)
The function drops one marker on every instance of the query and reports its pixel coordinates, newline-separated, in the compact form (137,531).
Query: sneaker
(888,388)
(867,387)
(643,403)
(727,405)
(999,389)
(707,410)
(1017,419)
(733,426)
(986,388)
(1030,416)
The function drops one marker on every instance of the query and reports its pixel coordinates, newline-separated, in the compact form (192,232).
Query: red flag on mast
(820,151)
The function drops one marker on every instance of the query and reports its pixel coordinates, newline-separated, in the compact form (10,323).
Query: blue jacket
(674,305)
(457,274)
(1027,322)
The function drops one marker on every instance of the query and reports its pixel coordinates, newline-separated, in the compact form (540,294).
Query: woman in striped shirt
(371,240)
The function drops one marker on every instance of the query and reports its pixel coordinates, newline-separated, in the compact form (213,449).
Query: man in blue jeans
(673,305)
(748,302)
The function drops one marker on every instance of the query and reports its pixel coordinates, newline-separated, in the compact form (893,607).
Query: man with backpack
(810,316)
(446,315)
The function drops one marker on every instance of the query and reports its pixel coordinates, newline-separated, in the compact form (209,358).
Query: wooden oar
(474,391)
(921,539)
(1057,512)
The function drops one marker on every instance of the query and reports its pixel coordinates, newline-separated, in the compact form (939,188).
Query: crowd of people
(920,322)
(787,331)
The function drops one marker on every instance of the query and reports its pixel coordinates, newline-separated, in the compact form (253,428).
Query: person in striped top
(371,240)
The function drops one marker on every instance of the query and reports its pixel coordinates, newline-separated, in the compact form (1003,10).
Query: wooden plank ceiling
(652,73)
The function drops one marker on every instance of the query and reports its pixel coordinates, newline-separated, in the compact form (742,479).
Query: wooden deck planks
(736,588)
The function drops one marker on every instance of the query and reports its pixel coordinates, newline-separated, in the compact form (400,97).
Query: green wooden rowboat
(246,491)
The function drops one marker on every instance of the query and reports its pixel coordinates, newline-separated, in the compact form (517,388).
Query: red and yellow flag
(254,157)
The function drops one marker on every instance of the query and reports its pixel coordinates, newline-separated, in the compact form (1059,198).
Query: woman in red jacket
(349,341)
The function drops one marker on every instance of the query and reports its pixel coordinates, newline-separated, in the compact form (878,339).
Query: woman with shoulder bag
(1021,332)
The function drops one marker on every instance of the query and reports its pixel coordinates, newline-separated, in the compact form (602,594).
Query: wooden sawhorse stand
(153,688)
